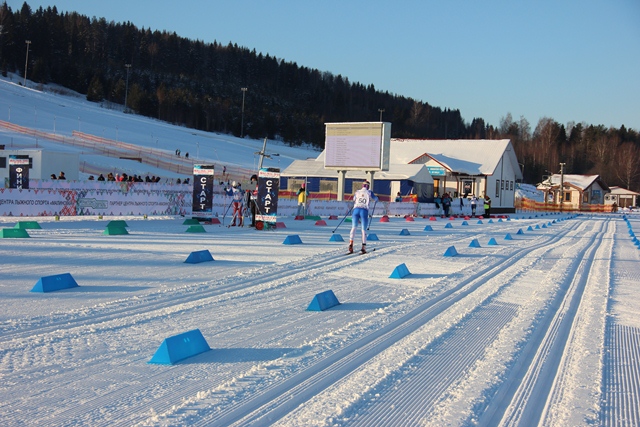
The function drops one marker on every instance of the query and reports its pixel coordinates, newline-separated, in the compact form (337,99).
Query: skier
(474,202)
(237,195)
(361,200)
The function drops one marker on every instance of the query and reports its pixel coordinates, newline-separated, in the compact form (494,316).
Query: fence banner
(202,205)
(19,171)
(268,186)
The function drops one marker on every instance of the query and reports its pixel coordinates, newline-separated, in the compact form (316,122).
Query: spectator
(53,176)
(101,177)
(398,197)
(91,178)
(61,176)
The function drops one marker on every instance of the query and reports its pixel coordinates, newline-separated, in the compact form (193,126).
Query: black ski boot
(364,248)
(350,247)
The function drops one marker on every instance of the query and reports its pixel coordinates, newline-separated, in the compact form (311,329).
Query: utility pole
(126,89)
(562,165)
(26,62)
(244,91)
(381,110)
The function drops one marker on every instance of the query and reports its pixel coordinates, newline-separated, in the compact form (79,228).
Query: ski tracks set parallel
(535,383)
(271,404)
(280,397)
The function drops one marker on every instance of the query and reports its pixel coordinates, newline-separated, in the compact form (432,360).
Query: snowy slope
(542,328)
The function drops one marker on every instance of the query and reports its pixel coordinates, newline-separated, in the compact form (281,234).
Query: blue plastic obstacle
(196,257)
(323,301)
(115,230)
(529,228)
(117,223)
(336,238)
(490,221)
(479,221)
(448,225)
(428,228)
(373,237)
(55,283)
(451,251)
(508,237)
(537,226)
(465,223)
(520,231)
(404,232)
(499,219)
(492,241)
(293,239)
(180,347)
(400,271)
(474,244)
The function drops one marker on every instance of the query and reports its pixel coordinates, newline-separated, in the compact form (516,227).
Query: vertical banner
(19,171)
(202,191)
(268,187)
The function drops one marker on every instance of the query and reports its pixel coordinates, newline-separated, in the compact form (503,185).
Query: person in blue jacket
(361,200)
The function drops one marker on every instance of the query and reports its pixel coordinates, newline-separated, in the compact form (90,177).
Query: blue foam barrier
(428,228)
(490,221)
(499,219)
(56,282)
(479,221)
(492,241)
(508,237)
(373,237)
(474,244)
(448,225)
(529,228)
(294,239)
(199,256)
(520,231)
(323,301)
(336,238)
(537,226)
(465,223)
(180,347)
(544,225)
(404,232)
(400,271)
(451,251)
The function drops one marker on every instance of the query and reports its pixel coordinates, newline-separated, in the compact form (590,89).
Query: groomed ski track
(497,332)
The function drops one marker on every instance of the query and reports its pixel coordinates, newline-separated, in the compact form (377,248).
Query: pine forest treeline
(198,85)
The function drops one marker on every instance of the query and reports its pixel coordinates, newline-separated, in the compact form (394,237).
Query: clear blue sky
(568,60)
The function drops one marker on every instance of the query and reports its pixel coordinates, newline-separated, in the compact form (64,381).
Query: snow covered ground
(542,328)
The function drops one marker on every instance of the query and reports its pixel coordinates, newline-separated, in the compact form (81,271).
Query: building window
(567,197)
(585,197)
(327,186)
(498,189)
(511,185)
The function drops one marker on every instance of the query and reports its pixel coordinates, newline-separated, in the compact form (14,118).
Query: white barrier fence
(72,198)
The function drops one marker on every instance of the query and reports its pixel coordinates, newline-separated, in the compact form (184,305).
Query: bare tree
(627,167)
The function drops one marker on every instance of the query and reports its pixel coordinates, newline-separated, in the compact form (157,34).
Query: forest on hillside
(235,90)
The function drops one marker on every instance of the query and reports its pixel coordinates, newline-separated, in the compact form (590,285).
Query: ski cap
(234,184)
(366,184)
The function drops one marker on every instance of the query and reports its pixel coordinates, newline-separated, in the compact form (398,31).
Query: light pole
(244,91)
(381,110)
(126,89)
(26,62)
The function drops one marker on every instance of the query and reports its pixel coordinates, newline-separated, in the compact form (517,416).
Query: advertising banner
(268,187)
(19,171)
(202,191)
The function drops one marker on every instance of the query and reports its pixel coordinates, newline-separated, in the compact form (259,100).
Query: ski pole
(372,212)
(225,212)
(345,217)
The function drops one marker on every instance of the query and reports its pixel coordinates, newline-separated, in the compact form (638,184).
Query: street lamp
(244,91)
(26,62)
(381,110)
(126,90)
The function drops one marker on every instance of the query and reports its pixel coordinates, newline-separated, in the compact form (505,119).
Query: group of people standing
(446,200)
